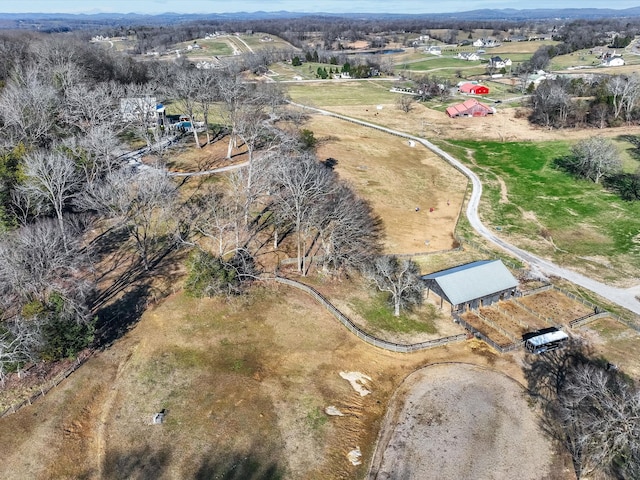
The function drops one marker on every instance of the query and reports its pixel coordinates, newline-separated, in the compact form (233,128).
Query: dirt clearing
(461,421)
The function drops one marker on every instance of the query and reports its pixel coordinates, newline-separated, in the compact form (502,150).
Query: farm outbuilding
(469,108)
(474,88)
(472,285)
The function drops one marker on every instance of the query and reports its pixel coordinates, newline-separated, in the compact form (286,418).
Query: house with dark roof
(470,108)
(499,62)
(472,285)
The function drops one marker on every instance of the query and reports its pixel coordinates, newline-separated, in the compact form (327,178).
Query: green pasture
(379,316)
(215,47)
(327,93)
(435,62)
(581,218)
(258,41)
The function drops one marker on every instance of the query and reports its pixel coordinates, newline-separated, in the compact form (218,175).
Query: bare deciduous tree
(51,179)
(20,341)
(144,202)
(399,278)
(596,157)
(300,186)
(592,410)
(30,106)
(405,103)
(624,94)
(349,232)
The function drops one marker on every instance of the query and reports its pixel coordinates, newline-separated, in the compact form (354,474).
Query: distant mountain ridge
(170,18)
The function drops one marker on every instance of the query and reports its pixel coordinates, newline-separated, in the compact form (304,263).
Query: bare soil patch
(555,306)
(461,421)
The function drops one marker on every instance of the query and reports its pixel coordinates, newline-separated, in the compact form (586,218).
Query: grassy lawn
(260,41)
(617,343)
(571,220)
(434,62)
(213,47)
(346,93)
(379,315)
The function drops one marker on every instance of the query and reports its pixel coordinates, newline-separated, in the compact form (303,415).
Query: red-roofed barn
(474,88)
(470,108)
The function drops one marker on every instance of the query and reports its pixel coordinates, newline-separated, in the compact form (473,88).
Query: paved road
(620,296)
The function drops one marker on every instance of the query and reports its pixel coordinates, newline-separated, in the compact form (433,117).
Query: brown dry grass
(244,383)
(506,125)
(616,342)
(396,178)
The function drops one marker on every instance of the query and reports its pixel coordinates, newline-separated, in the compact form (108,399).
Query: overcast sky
(331,6)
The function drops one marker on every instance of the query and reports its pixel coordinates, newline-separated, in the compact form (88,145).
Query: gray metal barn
(472,285)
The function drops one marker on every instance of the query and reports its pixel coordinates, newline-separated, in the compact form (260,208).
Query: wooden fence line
(579,322)
(494,325)
(597,309)
(541,289)
(534,313)
(44,389)
(478,334)
(361,334)
(512,317)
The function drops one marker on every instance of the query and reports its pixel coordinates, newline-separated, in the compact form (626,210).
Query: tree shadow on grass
(143,464)
(236,467)
(633,140)
(117,317)
(120,304)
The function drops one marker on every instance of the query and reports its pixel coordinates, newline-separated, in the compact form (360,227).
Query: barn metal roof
(474,280)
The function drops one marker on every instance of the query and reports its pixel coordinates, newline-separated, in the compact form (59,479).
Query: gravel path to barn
(460,421)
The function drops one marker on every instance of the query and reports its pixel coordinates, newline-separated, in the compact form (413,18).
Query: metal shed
(472,285)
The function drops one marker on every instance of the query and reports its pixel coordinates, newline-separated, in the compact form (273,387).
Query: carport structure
(473,285)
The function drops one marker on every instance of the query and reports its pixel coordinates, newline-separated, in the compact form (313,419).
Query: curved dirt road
(620,296)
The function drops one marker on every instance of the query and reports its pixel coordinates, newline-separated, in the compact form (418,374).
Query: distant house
(612,60)
(434,50)
(469,56)
(486,42)
(473,88)
(469,108)
(498,62)
(472,285)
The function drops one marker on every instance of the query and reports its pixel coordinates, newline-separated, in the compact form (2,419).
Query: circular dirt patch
(461,421)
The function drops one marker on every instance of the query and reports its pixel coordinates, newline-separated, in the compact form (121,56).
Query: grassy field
(546,210)
(259,41)
(244,383)
(327,93)
(615,342)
